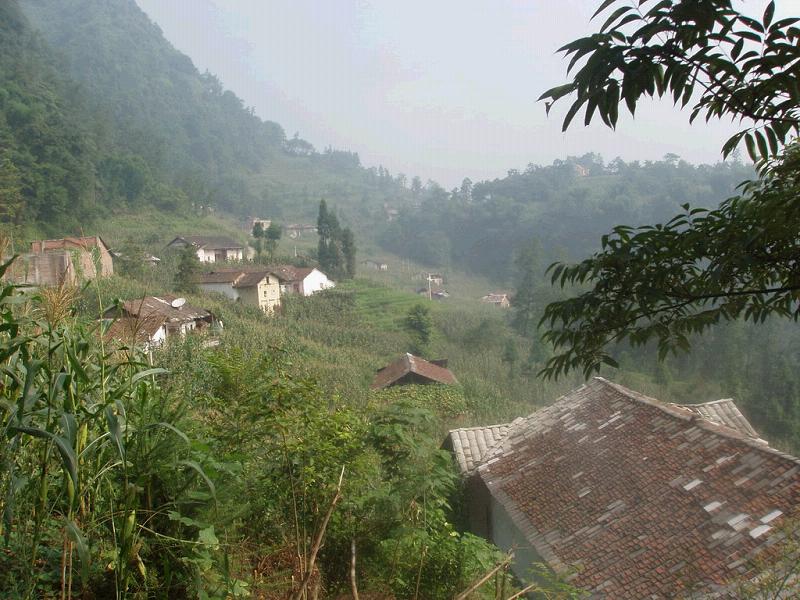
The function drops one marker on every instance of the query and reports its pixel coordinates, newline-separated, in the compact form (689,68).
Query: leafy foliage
(565,207)
(665,282)
(336,250)
(94,462)
(419,324)
(743,67)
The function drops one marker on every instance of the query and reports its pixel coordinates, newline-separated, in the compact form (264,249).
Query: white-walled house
(211,248)
(255,287)
(302,280)
(152,320)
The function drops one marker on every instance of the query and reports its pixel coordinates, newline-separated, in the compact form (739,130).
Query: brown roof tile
(291,273)
(67,243)
(645,499)
(408,363)
(151,306)
(131,329)
(238,277)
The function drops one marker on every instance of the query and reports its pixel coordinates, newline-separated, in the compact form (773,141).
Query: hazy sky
(442,89)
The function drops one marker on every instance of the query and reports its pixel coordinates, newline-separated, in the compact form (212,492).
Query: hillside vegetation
(118,120)
(265,466)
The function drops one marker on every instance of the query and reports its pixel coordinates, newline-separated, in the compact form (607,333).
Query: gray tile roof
(470,444)
(725,412)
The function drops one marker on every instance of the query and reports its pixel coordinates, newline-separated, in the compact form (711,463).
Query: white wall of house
(157,339)
(211,255)
(234,254)
(203,256)
(269,294)
(315,281)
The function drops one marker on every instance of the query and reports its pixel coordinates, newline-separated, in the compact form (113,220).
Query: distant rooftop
(410,364)
(209,241)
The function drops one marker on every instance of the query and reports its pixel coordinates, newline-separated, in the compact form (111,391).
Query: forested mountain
(46,159)
(565,207)
(98,111)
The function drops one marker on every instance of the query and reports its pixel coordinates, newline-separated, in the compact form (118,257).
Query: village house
(375,265)
(259,287)
(69,261)
(152,320)
(432,293)
(629,497)
(253,221)
(497,299)
(302,281)
(410,369)
(434,278)
(211,248)
(296,230)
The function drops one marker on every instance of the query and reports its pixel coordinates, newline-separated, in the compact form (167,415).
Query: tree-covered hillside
(566,207)
(46,169)
(170,123)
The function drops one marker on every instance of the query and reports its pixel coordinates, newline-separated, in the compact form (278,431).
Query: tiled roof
(725,412)
(131,329)
(228,276)
(408,363)
(470,444)
(150,306)
(66,243)
(237,277)
(291,273)
(644,499)
(209,241)
(251,278)
(495,298)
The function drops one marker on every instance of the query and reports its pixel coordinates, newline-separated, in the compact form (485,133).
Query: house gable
(410,369)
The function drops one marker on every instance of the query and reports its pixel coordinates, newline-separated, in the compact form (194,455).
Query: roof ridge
(701,421)
(480,427)
(708,403)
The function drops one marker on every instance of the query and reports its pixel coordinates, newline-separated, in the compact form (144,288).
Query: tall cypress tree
(349,251)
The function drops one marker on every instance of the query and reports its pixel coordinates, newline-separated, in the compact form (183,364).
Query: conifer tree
(188,267)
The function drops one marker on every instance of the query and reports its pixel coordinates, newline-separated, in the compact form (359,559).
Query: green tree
(511,356)
(336,250)
(664,283)
(258,239)
(272,235)
(419,324)
(525,299)
(349,251)
(11,199)
(188,268)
